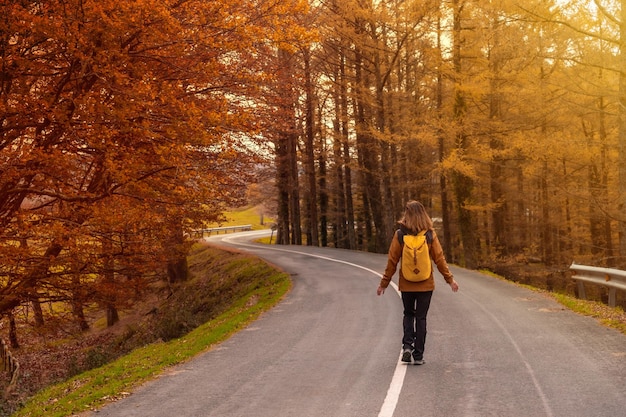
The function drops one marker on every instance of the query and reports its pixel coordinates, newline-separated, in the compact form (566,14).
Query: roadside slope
(230,289)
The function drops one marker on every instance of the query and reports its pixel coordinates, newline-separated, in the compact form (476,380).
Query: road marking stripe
(393,393)
(544,399)
(397,381)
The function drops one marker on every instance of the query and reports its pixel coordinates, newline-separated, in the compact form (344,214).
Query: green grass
(266,240)
(613,317)
(245,216)
(95,388)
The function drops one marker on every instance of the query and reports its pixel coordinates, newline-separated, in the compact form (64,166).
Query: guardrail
(614,279)
(9,363)
(199,233)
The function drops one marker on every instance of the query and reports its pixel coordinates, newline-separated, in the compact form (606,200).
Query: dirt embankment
(58,350)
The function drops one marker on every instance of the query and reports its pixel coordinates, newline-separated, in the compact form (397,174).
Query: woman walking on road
(416,292)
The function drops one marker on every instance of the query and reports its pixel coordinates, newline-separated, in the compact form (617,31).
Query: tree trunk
(288,224)
(387,220)
(496,239)
(463,185)
(622,139)
(323,189)
(294,190)
(369,148)
(108,287)
(309,164)
(282,186)
(77,305)
(339,198)
(112,315)
(351,242)
(546,221)
(177,267)
(37,312)
(13,332)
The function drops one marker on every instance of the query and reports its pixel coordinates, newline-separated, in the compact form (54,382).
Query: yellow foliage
(455,162)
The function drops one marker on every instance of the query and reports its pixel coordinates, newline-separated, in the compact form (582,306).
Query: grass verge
(95,388)
(613,317)
(249,215)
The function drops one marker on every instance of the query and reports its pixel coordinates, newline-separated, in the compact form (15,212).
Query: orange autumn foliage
(123,125)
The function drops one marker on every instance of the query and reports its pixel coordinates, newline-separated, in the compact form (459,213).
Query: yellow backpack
(415,262)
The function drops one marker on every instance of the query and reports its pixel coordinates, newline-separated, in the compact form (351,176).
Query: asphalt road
(331,348)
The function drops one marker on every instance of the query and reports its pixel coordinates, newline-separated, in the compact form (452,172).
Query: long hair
(415,217)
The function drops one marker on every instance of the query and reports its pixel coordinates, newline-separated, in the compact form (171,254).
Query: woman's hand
(380,290)
(454,285)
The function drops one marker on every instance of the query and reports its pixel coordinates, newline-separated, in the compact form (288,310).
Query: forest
(127,125)
(505,118)
(124,126)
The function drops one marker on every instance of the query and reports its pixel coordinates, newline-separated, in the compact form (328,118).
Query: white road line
(393,393)
(397,381)
(544,399)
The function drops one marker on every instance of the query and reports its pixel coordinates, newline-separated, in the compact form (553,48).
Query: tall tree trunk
(309,164)
(463,185)
(622,139)
(294,190)
(387,221)
(565,228)
(112,314)
(523,235)
(351,242)
(546,221)
(288,227)
(596,217)
(339,198)
(109,298)
(445,215)
(324,192)
(495,240)
(77,304)
(282,185)
(604,186)
(177,267)
(369,148)
(13,341)
(350,215)
(37,311)
(599,222)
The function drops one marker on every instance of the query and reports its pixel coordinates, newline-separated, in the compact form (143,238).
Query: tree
(124,125)
(479,96)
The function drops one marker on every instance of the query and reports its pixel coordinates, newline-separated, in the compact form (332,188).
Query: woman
(415,295)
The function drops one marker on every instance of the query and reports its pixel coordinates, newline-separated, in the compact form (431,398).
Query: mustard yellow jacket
(436,254)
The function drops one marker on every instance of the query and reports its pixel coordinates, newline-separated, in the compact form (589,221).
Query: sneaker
(406,355)
(419,361)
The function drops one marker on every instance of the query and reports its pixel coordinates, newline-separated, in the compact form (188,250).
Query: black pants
(416,306)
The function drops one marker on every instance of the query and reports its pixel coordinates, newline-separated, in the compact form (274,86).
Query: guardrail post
(581,290)
(612,296)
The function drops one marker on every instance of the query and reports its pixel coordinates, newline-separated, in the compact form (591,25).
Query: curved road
(331,348)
